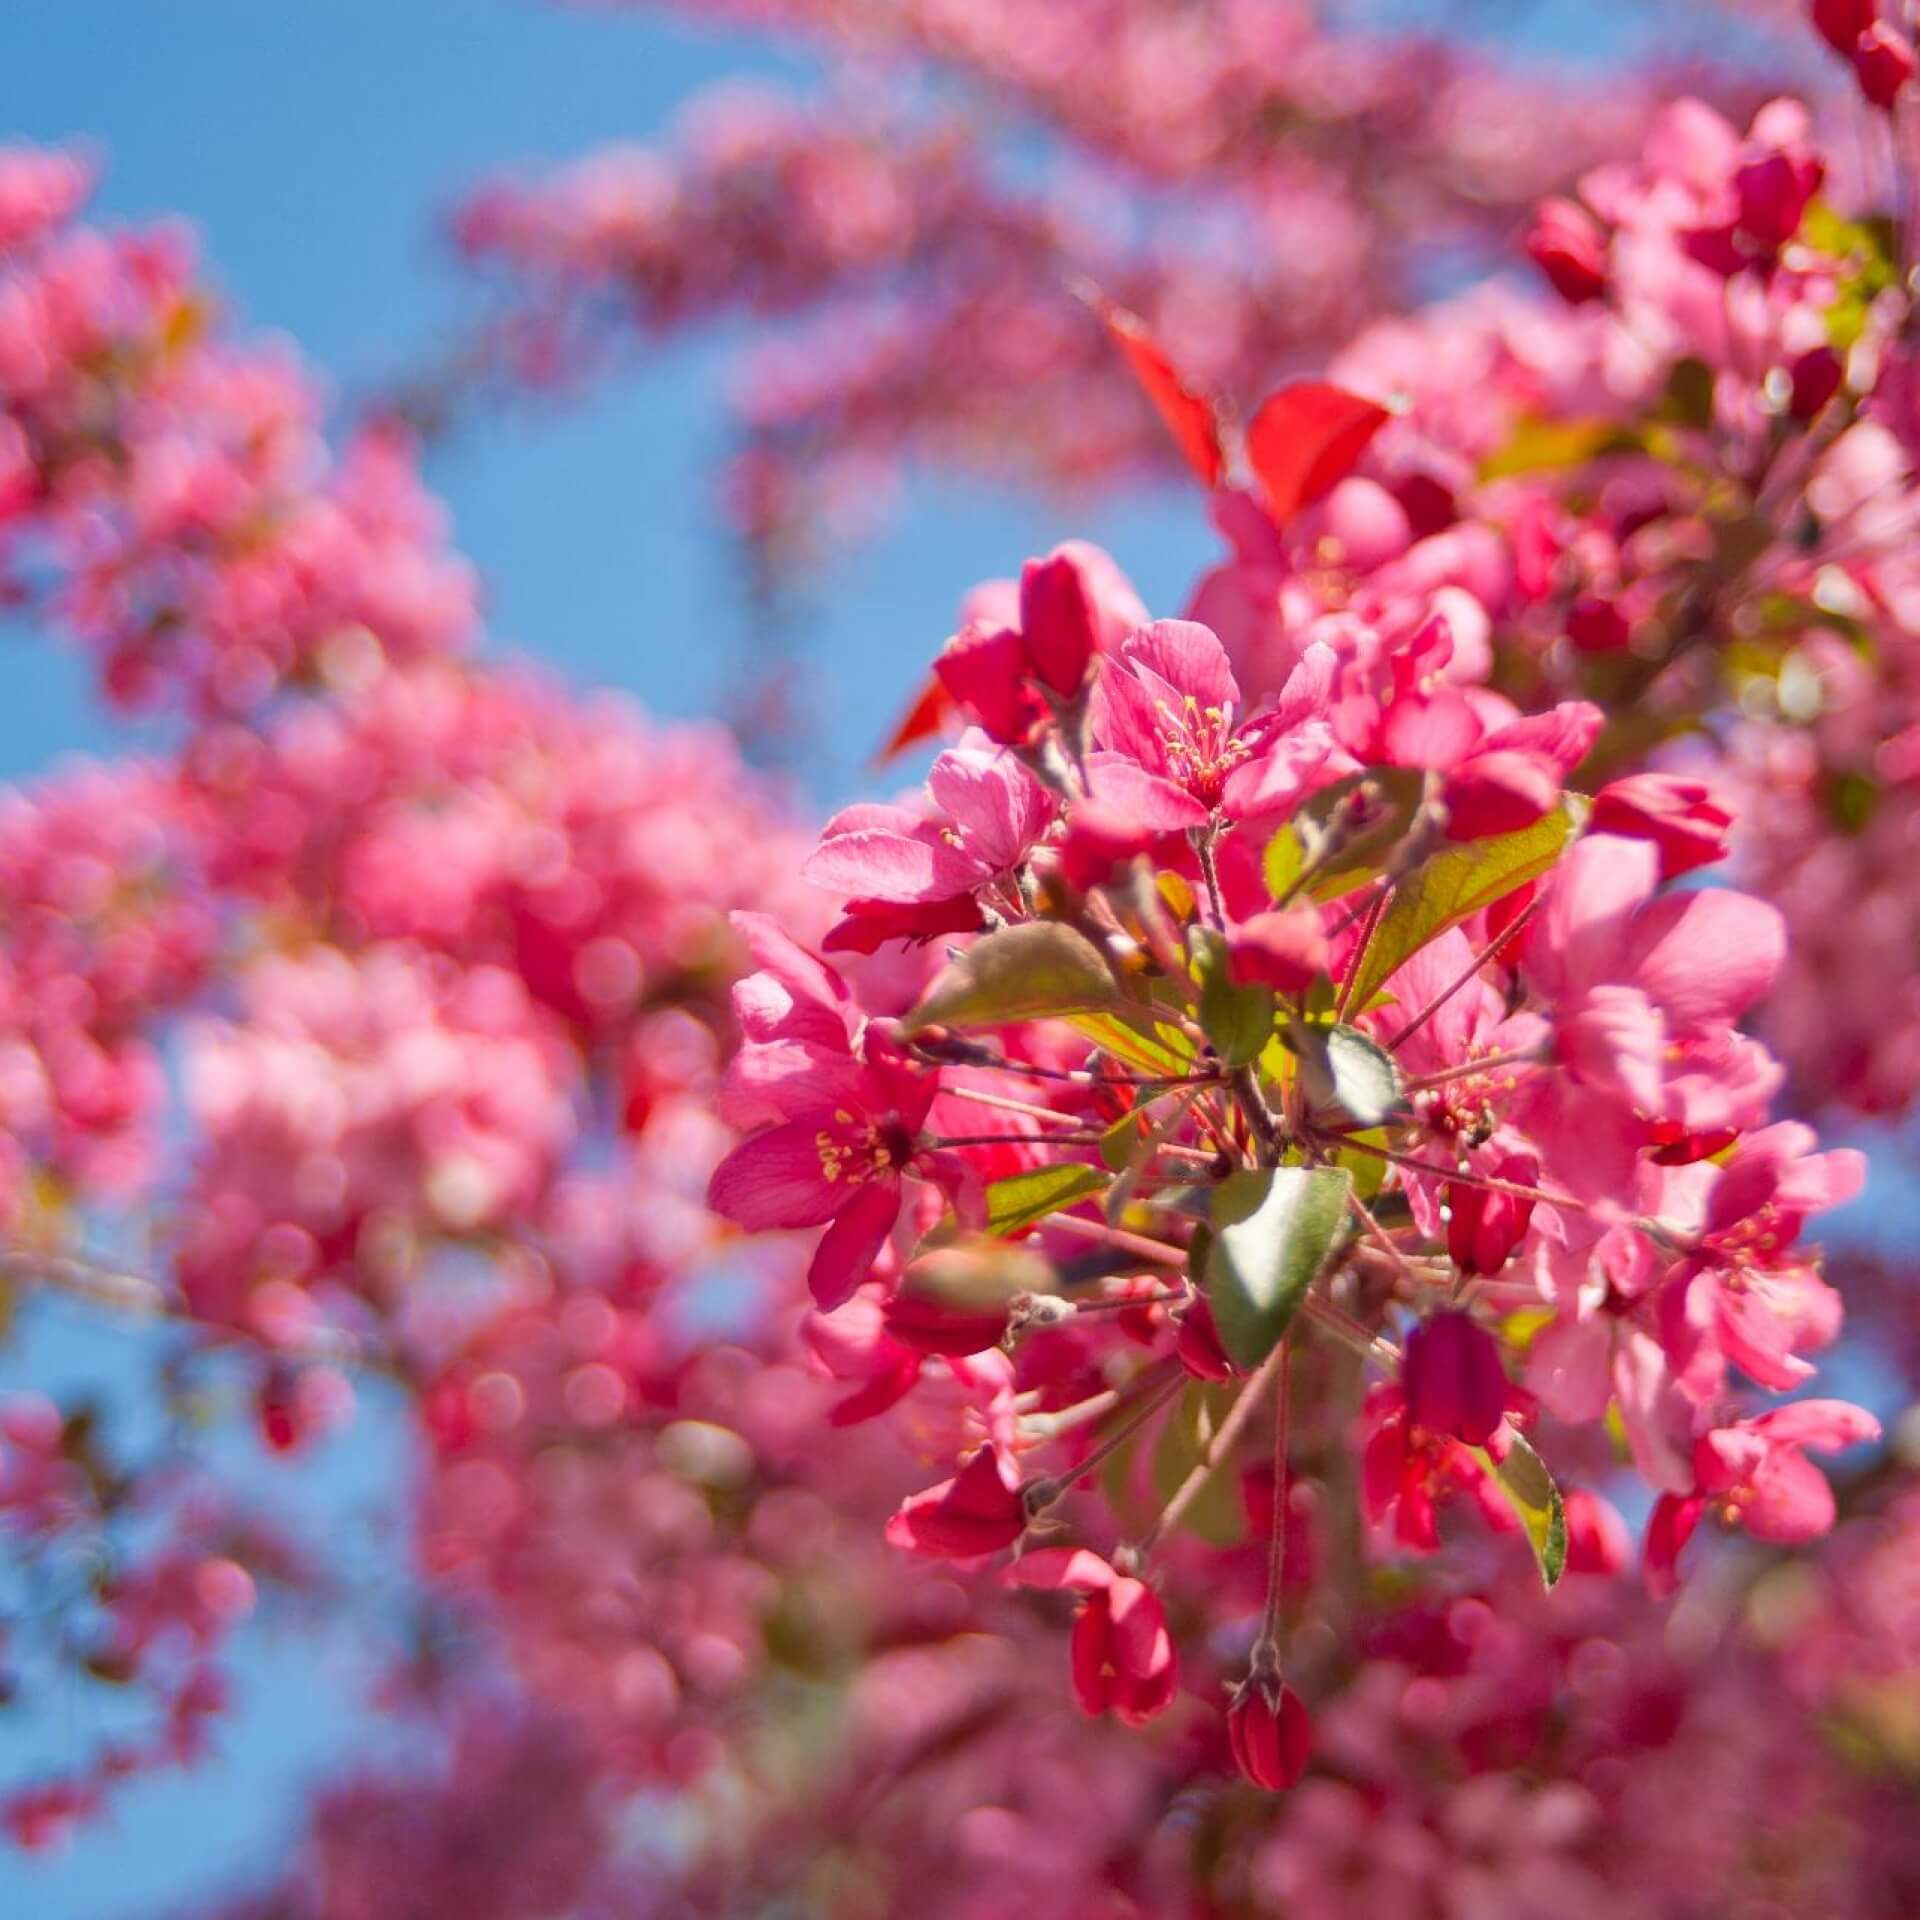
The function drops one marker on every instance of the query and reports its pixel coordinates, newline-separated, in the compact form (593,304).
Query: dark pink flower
(1883,64)
(1271,1735)
(1683,818)
(845,1109)
(1174,751)
(1569,247)
(1453,1378)
(1484,1227)
(1840,23)
(1198,1344)
(1597,1538)
(976,1513)
(1286,950)
(1123,1657)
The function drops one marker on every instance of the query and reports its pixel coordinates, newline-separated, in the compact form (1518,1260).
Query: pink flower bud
(1840,23)
(1597,1538)
(1568,246)
(1453,1379)
(1483,1227)
(1059,623)
(1498,792)
(1816,379)
(1883,64)
(1199,1345)
(1595,625)
(984,673)
(977,1512)
(1271,1736)
(1100,840)
(1286,950)
(1681,817)
(1773,191)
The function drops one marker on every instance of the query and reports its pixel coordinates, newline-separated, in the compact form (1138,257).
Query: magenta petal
(1706,957)
(1189,657)
(1075,1568)
(776,1179)
(870,864)
(1143,799)
(1615,1039)
(849,1247)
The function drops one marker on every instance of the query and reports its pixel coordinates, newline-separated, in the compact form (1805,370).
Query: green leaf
(1028,972)
(1215,1514)
(1238,1020)
(1272,1232)
(1149,1045)
(1284,862)
(1530,1491)
(1368,839)
(1022,1198)
(1538,445)
(1369,1170)
(1688,400)
(1456,883)
(1119,1140)
(1342,1067)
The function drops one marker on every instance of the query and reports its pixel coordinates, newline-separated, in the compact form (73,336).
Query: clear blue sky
(314,145)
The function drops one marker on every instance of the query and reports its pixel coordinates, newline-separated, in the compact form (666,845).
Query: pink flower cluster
(1347,979)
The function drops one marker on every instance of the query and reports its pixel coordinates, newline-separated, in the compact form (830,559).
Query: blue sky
(314,146)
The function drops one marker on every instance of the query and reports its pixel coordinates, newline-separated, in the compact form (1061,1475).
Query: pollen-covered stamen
(860,1147)
(1467,1107)
(1201,748)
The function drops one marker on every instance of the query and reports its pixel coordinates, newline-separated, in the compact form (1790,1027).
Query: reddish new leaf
(1306,439)
(1189,417)
(924,720)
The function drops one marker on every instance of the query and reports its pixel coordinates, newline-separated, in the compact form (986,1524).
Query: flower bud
(1058,624)
(1816,377)
(1568,246)
(1270,1734)
(1682,818)
(1199,1347)
(1286,950)
(1453,1379)
(1840,23)
(1498,792)
(1596,626)
(1883,64)
(1773,191)
(984,673)
(1100,841)
(1484,1227)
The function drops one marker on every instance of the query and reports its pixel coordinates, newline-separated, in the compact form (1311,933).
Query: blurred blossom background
(706,501)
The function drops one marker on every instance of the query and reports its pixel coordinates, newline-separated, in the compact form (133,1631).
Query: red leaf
(1306,439)
(924,720)
(1189,417)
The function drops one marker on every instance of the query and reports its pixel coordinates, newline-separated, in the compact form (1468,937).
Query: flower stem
(1480,959)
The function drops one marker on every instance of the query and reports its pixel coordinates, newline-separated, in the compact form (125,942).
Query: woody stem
(1277,1546)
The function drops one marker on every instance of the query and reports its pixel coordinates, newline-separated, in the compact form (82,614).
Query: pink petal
(872,864)
(1189,657)
(848,1248)
(1057,1568)
(1142,799)
(1706,957)
(776,1179)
